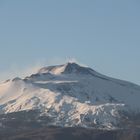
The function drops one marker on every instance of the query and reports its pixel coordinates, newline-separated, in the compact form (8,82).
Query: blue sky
(103,34)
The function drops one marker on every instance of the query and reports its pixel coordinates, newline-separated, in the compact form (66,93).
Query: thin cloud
(17,71)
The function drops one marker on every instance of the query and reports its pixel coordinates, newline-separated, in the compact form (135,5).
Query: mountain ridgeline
(69,95)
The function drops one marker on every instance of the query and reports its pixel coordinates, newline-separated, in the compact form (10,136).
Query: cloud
(16,71)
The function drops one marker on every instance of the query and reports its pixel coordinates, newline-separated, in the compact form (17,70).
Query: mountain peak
(72,95)
(71,67)
(68,68)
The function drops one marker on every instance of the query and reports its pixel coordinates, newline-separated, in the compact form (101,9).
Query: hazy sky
(103,34)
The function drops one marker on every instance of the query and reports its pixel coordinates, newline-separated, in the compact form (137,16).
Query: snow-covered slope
(71,95)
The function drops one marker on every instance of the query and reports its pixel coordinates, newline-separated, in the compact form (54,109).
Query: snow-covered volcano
(72,95)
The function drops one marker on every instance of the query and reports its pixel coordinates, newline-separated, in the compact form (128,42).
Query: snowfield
(72,95)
